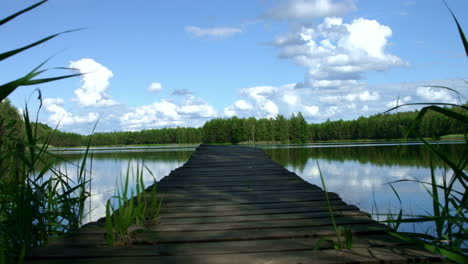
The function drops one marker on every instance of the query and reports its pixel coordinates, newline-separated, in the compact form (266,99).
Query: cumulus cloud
(167,113)
(308,9)
(269,101)
(318,105)
(194,107)
(399,101)
(95,81)
(433,94)
(311,110)
(61,116)
(217,32)
(242,105)
(364,96)
(154,87)
(337,54)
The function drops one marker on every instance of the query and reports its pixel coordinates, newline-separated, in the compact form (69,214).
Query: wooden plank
(183,214)
(407,254)
(228,198)
(246,207)
(230,188)
(241,201)
(209,248)
(228,178)
(214,192)
(95,235)
(259,217)
(263,224)
(232,183)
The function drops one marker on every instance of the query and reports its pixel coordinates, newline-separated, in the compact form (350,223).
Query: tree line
(236,130)
(296,130)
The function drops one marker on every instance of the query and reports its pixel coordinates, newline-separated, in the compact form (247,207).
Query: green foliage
(141,209)
(234,130)
(448,192)
(449,198)
(340,232)
(38,201)
(388,126)
(294,130)
(11,127)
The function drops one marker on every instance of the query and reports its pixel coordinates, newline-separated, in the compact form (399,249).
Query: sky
(154,64)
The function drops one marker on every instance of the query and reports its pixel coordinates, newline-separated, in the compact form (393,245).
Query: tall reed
(448,191)
(127,208)
(38,201)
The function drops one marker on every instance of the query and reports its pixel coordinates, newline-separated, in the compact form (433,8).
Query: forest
(235,130)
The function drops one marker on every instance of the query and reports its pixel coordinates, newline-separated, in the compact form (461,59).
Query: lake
(358,172)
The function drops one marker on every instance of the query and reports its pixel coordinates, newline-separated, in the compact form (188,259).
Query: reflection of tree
(377,155)
(170,155)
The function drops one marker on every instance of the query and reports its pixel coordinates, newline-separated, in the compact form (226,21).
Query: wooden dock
(232,204)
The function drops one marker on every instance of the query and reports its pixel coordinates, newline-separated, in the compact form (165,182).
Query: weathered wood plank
(251,198)
(263,224)
(246,207)
(285,215)
(407,254)
(209,248)
(283,210)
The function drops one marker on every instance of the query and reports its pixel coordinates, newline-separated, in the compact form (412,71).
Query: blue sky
(154,64)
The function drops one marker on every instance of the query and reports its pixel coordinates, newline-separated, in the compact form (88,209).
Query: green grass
(448,191)
(453,137)
(344,236)
(39,202)
(140,209)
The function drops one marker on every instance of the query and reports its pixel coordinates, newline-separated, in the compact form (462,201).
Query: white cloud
(317,105)
(338,54)
(242,105)
(200,110)
(290,99)
(230,112)
(400,101)
(167,113)
(95,82)
(309,9)
(61,116)
(369,96)
(158,114)
(270,108)
(363,96)
(154,87)
(311,110)
(432,94)
(218,32)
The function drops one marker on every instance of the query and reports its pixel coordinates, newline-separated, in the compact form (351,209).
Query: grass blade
(460,31)
(10,53)
(5,20)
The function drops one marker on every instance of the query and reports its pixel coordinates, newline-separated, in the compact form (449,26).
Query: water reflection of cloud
(356,182)
(107,171)
(400,172)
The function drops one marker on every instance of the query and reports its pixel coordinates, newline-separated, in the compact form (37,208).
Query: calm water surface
(358,172)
